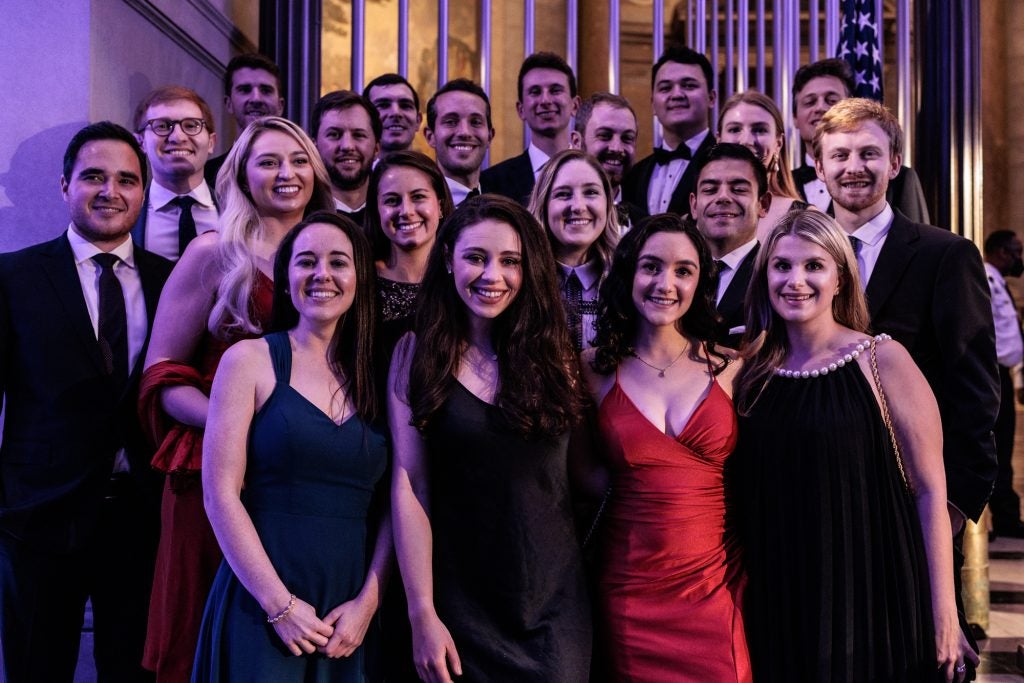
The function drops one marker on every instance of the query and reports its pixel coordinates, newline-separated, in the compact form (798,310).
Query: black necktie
(663,156)
(573,308)
(856,244)
(475,192)
(622,213)
(186,222)
(113,321)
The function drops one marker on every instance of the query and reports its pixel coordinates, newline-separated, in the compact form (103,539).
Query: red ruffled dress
(188,555)
(671,584)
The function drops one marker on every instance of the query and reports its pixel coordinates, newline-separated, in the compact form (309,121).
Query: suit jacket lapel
(63,274)
(731,304)
(139,229)
(896,253)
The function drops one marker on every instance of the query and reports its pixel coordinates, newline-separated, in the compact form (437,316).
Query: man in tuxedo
(347,130)
(681,96)
(927,288)
(816,87)
(398,104)
(174,125)
(459,131)
(730,197)
(606,128)
(1003,258)
(547,102)
(78,502)
(252,89)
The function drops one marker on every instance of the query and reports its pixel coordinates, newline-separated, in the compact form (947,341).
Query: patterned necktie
(186,222)
(113,321)
(574,307)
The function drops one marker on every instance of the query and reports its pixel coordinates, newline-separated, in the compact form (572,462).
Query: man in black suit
(347,130)
(174,125)
(79,504)
(681,96)
(459,130)
(547,102)
(606,128)
(730,197)
(816,87)
(252,89)
(927,288)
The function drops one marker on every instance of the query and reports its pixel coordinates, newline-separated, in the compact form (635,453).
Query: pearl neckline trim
(833,366)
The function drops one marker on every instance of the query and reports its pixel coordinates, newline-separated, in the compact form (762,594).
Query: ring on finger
(961,668)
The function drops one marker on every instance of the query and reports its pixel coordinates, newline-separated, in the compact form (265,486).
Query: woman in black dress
(846,538)
(481,402)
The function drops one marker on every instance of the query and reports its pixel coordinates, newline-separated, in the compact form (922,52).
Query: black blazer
(904,193)
(928,290)
(731,306)
(211,169)
(638,181)
(512,178)
(65,419)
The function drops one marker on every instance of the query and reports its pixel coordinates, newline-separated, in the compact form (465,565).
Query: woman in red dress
(669,581)
(218,293)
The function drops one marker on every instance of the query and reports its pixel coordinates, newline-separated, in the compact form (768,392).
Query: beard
(343,182)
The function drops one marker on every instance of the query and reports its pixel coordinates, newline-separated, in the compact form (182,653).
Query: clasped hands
(338,634)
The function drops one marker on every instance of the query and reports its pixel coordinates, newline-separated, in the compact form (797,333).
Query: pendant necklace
(661,371)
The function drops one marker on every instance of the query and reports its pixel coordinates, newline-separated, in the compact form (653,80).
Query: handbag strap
(886,417)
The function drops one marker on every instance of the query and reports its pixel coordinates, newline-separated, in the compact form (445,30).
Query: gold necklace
(661,371)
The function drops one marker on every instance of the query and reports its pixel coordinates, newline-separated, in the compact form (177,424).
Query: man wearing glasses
(175,128)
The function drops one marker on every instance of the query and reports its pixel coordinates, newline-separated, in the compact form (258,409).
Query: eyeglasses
(163,127)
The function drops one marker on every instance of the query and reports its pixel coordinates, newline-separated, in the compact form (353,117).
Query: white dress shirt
(730,262)
(345,208)
(458,191)
(1009,345)
(872,236)
(665,178)
(162,218)
(537,159)
(816,191)
(134,299)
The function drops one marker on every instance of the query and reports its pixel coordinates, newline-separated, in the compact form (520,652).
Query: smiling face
(104,193)
(577,211)
(753,127)
(253,94)
(279,175)
(547,105)
(667,272)
(177,159)
(681,99)
(347,146)
(461,135)
(486,263)
(856,166)
(802,280)
(813,100)
(409,208)
(398,114)
(321,274)
(726,206)
(610,137)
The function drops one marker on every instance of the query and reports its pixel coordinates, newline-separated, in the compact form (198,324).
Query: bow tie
(663,156)
(804,174)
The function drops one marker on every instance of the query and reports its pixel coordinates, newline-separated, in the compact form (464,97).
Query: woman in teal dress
(292,458)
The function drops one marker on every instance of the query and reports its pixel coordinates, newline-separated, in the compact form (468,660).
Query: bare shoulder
(248,358)
(199,266)
(727,377)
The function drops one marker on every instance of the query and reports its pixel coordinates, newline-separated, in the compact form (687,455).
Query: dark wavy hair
(409,159)
(617,317)
(351,354)
(539,391)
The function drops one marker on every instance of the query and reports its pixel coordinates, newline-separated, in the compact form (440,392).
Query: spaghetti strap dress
(838,582)
(308,485)
(508,570)
(671,581)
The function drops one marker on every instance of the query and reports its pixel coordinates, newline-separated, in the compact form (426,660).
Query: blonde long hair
(242,227)
(765,343)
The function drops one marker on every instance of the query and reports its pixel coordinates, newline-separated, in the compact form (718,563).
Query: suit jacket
(211,169)
(638,181)
(928,290)
(731,306)
(512,178)
(66,419)
(904,194)
(139,229)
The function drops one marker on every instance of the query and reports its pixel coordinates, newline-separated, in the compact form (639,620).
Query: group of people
(695,417)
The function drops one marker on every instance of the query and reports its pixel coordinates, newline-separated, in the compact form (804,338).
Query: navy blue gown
(308,487)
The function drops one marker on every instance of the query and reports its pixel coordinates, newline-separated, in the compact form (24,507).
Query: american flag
(858,45)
